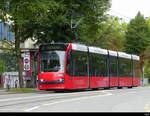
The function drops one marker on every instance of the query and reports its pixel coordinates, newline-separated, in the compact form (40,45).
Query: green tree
(6,46)
(69,13)
(22,13)
(110,34)
(2,67)
(48,20)
(147,54)
(147,63)
(147,69)
(137,38)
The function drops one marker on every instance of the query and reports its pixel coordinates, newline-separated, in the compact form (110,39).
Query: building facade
(6,32)
(28,58)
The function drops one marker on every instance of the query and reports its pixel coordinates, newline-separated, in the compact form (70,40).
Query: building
(5,32)
(28,57)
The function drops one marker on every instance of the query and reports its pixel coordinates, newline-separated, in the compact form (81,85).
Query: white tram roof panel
(135,57)
(124,55)
(79,47)
(112,53)
(98,50)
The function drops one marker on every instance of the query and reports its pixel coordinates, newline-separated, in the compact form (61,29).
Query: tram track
(135,99)
(51,98)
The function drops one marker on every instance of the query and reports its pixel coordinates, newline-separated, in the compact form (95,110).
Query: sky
(127,9)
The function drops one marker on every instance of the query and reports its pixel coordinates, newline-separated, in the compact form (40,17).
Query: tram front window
(52,61)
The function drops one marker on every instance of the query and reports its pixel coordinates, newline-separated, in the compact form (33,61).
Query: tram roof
(97,50)
(135,57)
(92,49)
(124,55)
(79,47)
(113,53)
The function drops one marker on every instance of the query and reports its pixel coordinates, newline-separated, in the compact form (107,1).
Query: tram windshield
(52,61)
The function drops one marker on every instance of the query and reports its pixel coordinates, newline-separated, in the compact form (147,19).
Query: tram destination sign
(51,47)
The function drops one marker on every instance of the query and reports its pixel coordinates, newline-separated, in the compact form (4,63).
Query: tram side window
(104,65)
(113,66)
(98,65)
(77,66)
(136,69)
(125,69)
(94,66)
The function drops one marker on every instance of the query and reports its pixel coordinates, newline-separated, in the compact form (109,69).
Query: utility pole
(74,26)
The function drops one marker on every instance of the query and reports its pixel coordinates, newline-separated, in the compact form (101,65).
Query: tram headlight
(61,80)
(41,80)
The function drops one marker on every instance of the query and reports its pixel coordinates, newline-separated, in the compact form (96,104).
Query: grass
(148,84)
(22,90)
(31,90)
(145,85)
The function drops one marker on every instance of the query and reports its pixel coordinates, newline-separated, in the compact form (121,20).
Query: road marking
(33,108)
(70,100)
(147,110)
(147,107)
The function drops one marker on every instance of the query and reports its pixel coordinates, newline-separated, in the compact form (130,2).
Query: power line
(116,12)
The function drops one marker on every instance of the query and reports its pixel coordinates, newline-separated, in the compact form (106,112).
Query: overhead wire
(121,16)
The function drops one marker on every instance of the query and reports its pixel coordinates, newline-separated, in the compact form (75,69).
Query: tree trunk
(20,71)
(18,53)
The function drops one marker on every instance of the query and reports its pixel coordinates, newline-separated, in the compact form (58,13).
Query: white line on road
(33,108)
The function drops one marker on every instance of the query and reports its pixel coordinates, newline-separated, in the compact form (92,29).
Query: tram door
(78,70)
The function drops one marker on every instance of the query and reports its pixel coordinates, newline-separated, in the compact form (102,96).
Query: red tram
(77,66)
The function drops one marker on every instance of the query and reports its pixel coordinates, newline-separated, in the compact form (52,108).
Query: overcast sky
(127,9)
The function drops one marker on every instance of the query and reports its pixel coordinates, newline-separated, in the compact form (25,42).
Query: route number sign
(26,62)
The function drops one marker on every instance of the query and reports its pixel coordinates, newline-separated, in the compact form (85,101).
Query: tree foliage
(137,35)
(48,20)
(57,26)
(138,39)
(52,19)
(21,13)
(147,64)
(111,34)
(2,67)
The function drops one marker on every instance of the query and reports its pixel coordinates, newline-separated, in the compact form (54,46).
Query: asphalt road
(136,99)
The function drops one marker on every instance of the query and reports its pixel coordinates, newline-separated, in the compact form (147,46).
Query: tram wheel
(119,87)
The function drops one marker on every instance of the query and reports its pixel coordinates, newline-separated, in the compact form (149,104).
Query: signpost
(26,62)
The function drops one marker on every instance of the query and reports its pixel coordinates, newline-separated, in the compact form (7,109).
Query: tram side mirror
(34,73)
